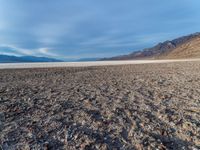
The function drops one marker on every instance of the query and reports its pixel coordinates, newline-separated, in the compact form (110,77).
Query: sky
(73,29)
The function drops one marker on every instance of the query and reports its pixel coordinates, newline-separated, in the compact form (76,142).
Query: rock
(2,120)
(2,117)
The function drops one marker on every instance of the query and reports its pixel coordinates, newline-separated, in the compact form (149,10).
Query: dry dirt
(150,106)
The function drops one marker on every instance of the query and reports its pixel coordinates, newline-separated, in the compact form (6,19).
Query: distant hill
(15,59)
(183,47)
(87,59)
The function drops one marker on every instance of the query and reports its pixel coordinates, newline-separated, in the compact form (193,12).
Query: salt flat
(86,64)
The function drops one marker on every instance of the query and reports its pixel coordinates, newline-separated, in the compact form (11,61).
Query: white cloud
(13,50)
(46,52)
(9,53)
(16,50)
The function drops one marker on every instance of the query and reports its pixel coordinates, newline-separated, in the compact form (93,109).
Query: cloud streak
(12,50)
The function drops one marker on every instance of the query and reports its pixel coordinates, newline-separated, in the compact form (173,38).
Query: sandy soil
(144,106)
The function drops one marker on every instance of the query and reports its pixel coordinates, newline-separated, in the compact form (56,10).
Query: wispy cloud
(46,52)
(13,50)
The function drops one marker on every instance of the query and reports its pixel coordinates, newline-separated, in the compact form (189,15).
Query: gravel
(144,106)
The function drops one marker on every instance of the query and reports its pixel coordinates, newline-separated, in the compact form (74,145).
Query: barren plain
(141,106)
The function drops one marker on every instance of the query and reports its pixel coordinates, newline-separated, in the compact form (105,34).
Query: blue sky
(72,29)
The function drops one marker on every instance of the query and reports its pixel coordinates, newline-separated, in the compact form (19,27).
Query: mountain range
(180,48)
(16,59)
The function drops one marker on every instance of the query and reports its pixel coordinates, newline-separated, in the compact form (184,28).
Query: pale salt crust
(86,64)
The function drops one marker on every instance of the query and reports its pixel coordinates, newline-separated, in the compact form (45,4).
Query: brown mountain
(183,47)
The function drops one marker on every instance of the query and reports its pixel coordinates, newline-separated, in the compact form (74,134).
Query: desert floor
(140,106)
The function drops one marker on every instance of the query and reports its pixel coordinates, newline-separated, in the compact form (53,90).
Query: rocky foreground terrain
(150,106)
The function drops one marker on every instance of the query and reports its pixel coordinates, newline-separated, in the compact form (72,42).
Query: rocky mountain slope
(183,47)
